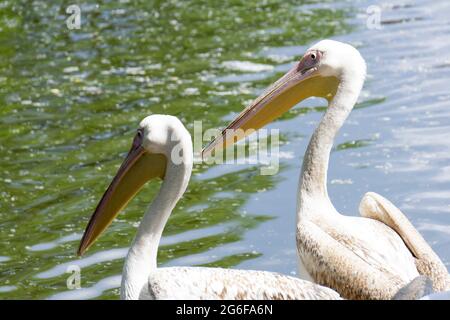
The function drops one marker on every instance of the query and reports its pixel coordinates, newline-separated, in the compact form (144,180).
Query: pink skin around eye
(309,60)
(137,141)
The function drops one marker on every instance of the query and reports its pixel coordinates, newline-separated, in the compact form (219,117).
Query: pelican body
(162,148)
(367,257)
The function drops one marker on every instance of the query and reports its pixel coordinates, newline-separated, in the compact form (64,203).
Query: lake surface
(72,99)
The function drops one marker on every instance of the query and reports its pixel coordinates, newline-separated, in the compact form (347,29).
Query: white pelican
(368,257)
(162,148)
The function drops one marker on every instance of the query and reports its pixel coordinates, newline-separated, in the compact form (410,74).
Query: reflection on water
(72,99)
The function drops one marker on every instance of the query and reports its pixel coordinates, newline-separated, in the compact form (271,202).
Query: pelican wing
(428,263)
(218,283)
(351,260)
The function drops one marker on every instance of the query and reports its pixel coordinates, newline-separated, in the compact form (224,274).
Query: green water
(71,101)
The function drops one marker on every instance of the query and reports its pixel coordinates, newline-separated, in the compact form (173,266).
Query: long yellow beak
(285,93)
(138,167)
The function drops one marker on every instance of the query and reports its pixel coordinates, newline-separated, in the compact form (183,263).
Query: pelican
(162,148)
(367,257)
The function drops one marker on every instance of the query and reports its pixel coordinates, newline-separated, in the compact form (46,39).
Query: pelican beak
(296,85)
(138,167)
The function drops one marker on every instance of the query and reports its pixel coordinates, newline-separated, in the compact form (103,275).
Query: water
(71,100)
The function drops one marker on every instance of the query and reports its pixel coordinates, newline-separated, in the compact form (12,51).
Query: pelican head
(319,73)
(147,159)
(336,59)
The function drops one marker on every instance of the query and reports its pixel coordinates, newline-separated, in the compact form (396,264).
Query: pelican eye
(309,61)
